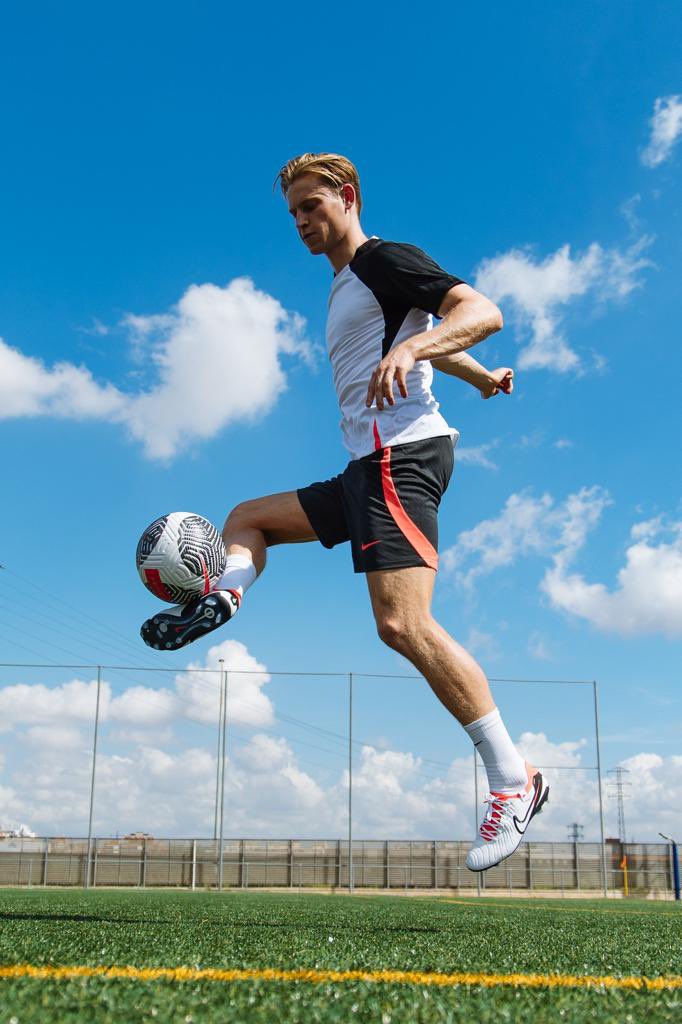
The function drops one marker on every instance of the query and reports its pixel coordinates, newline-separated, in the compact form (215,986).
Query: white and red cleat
(505,823)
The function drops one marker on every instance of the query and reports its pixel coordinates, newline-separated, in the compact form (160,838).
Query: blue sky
(533,155)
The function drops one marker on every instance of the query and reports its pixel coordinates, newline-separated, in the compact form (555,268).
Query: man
(382,346)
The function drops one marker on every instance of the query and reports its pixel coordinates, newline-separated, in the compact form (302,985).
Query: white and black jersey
(388,292)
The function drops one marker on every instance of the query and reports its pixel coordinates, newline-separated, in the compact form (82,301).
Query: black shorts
(386,504)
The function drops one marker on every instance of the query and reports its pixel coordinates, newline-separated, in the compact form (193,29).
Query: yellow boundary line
(314,976)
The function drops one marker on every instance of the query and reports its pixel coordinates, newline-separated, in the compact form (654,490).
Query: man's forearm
(465,367)
(467,324)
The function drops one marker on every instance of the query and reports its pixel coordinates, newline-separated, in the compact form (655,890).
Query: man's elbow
(496,318)
(491,317)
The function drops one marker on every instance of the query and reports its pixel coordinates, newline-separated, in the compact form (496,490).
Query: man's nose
(301,220)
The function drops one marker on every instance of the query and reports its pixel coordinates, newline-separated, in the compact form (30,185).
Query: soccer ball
(180,557)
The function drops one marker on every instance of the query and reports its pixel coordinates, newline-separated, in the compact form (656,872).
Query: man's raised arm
(488,382)
(467,319)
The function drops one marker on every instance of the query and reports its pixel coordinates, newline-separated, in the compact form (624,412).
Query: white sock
(238,575)
(505,767)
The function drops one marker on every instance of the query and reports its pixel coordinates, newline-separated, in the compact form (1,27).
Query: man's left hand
(393,369)
(501,379)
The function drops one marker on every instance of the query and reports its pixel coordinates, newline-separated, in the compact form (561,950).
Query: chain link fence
(560,869)
(222,750)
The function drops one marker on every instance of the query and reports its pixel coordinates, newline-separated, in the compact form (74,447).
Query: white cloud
(215,359)
(246,702)
(526,525)
(196,696)
(653,799)
(141,706)
(169,790)
(538,648)
(484,645)
(37,704)
(666,128)
(96,328)
(538,291)
(629,210)
(65,736)
(270,792)
(648,594)
(29,388)
(477,455)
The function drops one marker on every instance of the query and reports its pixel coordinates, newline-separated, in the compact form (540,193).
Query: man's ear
(348,195)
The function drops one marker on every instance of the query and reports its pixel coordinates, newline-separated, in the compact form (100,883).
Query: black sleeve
(406,272)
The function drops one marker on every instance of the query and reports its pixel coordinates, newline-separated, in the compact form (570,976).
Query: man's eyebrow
(292,209)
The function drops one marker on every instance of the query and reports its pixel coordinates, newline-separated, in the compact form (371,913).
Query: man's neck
(341,255)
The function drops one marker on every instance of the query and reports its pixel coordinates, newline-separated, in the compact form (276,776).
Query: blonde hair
(335,170)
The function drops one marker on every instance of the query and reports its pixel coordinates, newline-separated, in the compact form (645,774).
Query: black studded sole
(168,632)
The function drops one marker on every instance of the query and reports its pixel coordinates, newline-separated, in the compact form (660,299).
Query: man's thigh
(280,517)
(323,504)
(398,592)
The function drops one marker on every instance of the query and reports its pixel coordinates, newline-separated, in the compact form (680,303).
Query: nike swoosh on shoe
(525,821)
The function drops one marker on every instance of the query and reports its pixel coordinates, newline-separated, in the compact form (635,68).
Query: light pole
(676,864)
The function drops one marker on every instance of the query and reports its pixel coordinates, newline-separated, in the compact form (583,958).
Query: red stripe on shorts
(421,544)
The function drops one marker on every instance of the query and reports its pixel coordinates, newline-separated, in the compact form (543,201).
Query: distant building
(23,832)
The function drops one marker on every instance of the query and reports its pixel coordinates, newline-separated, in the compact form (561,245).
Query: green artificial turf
(253,930)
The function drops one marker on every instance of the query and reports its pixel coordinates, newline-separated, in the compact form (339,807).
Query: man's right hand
(498,380)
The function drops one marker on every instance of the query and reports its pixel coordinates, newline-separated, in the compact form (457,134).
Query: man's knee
(390,630)
(400,632)
(405,634)
(243,515)
(279,517)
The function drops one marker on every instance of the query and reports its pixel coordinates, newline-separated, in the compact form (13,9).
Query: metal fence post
(86,876)
(194,864)
(350,782)
(218,757)
(478,873)
(222,778)
(601,800)
(674,865)
(530,867)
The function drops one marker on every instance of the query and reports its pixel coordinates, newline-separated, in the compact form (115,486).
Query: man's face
(321,214)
